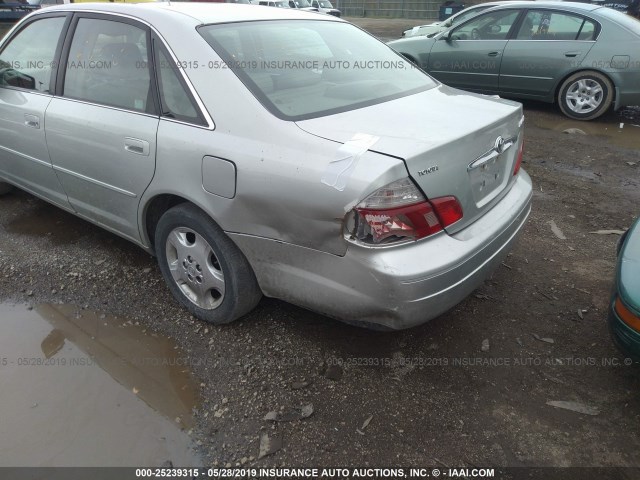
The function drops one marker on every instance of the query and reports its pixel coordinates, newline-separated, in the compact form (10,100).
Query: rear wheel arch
(153,211)
(585,71)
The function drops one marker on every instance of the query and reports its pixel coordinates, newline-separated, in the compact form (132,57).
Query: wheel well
(155,209)
(562,80)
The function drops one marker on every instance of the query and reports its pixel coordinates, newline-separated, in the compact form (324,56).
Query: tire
(585,95)
(204,269)
(5,188)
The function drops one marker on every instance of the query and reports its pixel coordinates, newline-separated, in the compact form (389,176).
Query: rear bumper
(627,90)
(395,287)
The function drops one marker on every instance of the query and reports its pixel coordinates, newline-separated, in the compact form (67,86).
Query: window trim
(597,24)
(157,47)
(57,53)
(514,26)
(151,109)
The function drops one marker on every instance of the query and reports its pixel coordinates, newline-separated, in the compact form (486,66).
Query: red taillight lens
(448,209)
(399,212)
(516,169)
(626,315)
(413,221)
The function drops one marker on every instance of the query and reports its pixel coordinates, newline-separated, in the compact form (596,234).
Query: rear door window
(551,25)
(175,100)
(108,64)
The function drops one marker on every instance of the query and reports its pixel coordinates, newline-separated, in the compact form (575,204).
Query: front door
(470,56)
(25,94)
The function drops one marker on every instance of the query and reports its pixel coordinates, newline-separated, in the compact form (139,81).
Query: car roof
(484,4)
(557,4)
(200,13)
(497,3)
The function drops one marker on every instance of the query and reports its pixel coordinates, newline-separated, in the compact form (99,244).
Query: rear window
(301,69)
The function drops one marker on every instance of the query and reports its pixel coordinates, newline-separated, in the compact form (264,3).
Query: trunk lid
(448,140)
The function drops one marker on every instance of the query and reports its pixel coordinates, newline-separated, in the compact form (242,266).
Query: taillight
(626,315)
(399,212)
(448,209)
(516,169)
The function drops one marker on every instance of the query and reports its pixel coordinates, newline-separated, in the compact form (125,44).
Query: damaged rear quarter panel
(279,193)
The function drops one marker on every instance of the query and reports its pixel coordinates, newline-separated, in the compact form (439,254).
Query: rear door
(470,57)
(548,46)
(101,131)
(26,77)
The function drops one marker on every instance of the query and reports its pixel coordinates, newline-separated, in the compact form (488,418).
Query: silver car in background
(462,16)
(325,6)
(264,151)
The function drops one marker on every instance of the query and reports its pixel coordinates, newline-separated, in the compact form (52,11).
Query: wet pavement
(56,224)
(621,129)
(81,388)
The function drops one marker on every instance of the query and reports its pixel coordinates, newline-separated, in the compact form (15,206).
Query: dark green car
(585,57)
(624,310)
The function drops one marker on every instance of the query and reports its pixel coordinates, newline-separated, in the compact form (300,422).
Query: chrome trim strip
(493,153)
(534,40)
(181,122)
(94,181)
(481,160)
(526,76)
(27,90)
(24,155)
(111,107)
(464,73)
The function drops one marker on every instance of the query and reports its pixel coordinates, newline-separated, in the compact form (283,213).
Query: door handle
(493,54)
(32,121)
(571,54)
(137,146)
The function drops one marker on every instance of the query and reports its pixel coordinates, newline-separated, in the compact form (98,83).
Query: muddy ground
(427,396)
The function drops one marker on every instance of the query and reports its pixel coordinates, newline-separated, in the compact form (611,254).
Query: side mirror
(14,78)
(446,36)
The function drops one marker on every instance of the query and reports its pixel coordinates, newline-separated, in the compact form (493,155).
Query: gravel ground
(469,388)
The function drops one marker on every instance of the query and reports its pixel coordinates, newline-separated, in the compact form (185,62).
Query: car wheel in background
(585,95)
(204,269)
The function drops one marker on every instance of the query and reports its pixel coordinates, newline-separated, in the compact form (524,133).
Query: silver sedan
(264,151)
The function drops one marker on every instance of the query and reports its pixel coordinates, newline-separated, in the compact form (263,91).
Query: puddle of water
(84,389)
(628,136)
(631,114)
(46,220)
